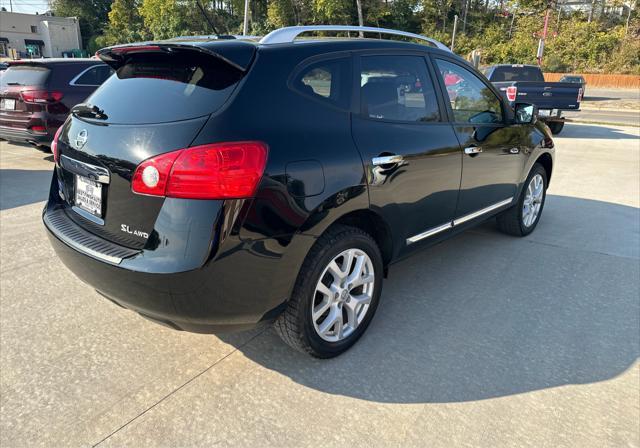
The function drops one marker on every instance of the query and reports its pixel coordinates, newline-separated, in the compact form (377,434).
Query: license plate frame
(88,195)
(8,104)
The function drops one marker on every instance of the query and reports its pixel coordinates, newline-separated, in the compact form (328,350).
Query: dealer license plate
(89,195)
(7,104)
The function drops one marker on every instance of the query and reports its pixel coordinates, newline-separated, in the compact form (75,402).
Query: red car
(36,95)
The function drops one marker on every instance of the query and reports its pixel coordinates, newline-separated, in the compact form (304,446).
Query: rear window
(24,75)
(158,88)
(505,74)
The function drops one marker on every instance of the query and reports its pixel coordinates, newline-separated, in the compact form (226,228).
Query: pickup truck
(526,83)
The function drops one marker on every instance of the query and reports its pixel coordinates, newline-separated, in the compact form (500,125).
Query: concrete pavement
(484,340)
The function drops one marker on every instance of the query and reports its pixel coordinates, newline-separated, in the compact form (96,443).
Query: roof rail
(288,34)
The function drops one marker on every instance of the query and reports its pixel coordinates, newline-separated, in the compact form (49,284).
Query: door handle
(387,160)
(473,150)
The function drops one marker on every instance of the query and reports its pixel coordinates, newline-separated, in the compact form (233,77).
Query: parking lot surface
(484,340)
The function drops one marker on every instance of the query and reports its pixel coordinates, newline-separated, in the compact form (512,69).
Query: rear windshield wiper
(88,111)
(14,84)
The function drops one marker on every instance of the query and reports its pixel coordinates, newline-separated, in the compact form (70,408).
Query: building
(33,35)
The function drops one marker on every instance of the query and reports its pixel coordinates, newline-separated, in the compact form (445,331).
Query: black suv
(218,184)
(36,95)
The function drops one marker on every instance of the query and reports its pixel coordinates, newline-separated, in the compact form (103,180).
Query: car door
(493,150)
(409,150)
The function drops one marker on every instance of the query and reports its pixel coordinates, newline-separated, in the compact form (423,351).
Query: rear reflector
(40,96)
(512,92)
(580,93)
(54,145)
(216,171)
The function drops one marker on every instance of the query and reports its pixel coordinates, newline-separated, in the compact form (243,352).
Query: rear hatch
(157,102)
(23,93)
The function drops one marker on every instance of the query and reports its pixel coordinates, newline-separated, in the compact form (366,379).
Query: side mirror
(525,113)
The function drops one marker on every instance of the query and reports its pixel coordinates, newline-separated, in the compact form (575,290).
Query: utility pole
(455,28)
(544,37)
(466,12)
(11,5)
(626,28)
(513,18)
(360,20)
(246,18)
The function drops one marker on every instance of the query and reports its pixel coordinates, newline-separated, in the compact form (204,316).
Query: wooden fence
(600,80)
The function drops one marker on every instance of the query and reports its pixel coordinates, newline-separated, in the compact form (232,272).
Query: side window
(471,100)
(95,76)
(328,81)
(397,88)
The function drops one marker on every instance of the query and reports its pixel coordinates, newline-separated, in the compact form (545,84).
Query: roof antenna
(204,13)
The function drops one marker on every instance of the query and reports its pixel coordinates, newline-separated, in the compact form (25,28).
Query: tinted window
(327,81)
(154,88)
(471,100)
(27,75)
(95,76)
(397,88)
(503,74)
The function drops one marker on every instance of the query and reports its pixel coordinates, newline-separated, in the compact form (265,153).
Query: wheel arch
(375,225)
(546,161)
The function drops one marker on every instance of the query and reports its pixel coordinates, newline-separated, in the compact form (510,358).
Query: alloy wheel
(533,200)
(343,295)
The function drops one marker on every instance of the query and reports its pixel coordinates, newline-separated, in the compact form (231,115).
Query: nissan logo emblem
(81,139)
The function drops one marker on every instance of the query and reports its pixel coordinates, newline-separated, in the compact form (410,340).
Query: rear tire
(323,295)
(522,218)
(556,126)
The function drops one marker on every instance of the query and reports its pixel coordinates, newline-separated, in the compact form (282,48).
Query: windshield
(24,75)
(157,88)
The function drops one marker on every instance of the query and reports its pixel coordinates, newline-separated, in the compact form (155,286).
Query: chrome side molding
(457,221)
(481,212)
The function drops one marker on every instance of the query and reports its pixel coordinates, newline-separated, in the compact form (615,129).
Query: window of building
(34,28)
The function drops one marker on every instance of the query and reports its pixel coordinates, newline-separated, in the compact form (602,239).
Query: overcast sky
(27,6)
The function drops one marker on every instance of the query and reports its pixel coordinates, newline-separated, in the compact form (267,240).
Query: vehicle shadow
(22,187)
(576,130)
(486,315)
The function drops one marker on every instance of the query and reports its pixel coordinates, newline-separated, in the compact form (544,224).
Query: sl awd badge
(126,229)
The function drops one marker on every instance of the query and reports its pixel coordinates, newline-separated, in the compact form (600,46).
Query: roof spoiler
(118,55)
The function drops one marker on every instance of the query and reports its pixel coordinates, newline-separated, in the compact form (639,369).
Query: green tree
(125,24)
(91,14)
(163,18)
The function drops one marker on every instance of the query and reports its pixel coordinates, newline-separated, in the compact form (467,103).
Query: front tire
(522,218)
(336,294)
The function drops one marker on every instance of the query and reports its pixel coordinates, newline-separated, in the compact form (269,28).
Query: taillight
(54,145)
(580,93)
(512,92)
(216,171)
(38,129)
(40,96)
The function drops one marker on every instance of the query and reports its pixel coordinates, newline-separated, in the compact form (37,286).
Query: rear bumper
(236,288)
(25,136)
